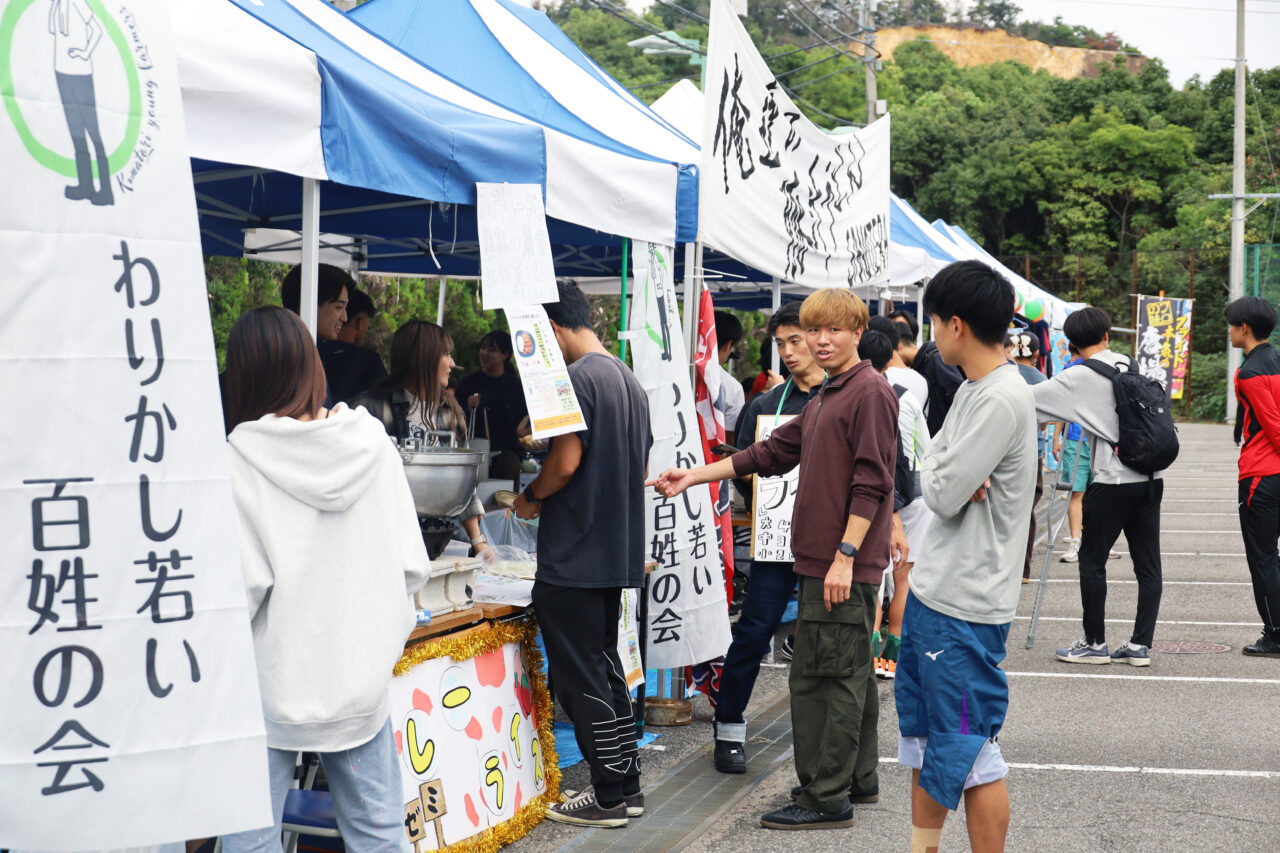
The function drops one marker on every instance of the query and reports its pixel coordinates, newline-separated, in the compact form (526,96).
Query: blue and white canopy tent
(1056,309)
(390,150)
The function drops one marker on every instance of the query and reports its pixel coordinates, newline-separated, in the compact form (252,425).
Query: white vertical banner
(688,614)
(776,191)
(131,714)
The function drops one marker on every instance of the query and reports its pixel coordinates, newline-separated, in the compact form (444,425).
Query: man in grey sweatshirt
(978,477)
(1120,498)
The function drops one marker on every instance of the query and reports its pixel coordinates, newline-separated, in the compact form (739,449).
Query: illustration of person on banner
(846,444)
(714,407)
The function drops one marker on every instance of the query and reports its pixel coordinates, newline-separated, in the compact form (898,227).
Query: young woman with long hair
(412,403)
(332,554)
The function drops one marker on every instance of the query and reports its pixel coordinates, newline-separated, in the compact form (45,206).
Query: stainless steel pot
(441,479)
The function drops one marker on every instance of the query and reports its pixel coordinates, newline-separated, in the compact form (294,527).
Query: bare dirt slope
(974,46)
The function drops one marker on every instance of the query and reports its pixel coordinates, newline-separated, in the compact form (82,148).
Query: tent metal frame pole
(691,301)
(310,285)
(440,302)
(776,302)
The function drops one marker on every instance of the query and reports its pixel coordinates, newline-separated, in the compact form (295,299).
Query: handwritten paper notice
(773,501)
(515,252)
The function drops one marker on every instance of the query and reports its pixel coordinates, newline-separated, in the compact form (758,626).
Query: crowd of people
(920,466)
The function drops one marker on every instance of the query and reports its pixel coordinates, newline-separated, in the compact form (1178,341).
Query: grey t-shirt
(970,565)
(591,532)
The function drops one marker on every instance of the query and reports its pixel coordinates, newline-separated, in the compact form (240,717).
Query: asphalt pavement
(1183,755)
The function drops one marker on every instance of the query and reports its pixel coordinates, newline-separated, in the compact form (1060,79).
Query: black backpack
(1148,439)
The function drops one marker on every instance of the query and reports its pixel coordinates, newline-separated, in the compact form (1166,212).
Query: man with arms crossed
(978,476)
(845,442)
(1251,321)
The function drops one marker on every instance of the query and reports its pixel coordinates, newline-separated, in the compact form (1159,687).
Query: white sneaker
(1073,552)
(1113,554)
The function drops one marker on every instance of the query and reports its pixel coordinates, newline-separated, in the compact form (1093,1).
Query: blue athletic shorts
(952,698)
(1082,469)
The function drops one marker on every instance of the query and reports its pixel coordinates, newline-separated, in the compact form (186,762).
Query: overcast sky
(1190,36)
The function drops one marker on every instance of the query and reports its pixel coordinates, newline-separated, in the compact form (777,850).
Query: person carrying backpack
(1134,440)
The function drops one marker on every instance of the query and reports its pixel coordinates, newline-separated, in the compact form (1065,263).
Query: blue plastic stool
(308,813)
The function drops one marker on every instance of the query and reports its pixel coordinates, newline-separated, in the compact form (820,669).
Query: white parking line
(1200,501)
(1190,554)
(1166,583)
(1230,514)
(1160,622)
(1110,768)
(1208,679)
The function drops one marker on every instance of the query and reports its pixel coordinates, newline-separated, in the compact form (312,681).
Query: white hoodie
(332,555)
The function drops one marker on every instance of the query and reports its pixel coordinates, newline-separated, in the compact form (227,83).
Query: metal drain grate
(1178,648)
(685,802)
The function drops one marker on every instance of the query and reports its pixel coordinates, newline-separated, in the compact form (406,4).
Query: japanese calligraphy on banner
(776,191)
(1164,340)
(515,250)
(688,614)
(553,406)
(773,501)
(128,665)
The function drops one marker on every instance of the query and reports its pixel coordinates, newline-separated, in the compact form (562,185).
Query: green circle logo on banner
(43,154)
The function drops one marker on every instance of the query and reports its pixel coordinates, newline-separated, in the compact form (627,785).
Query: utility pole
(866,16)
(1236,280)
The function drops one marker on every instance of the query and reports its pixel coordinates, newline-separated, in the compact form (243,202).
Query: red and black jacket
(1258,416)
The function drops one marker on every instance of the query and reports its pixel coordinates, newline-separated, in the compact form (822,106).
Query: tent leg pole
(440,303)
(691,301)
(776,301)
(310,253)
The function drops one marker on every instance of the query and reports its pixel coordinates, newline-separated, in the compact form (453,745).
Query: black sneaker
(788,647)
(633,802)
(872,796)
(1265,647)
(730,757)
(583,810)
(798,817)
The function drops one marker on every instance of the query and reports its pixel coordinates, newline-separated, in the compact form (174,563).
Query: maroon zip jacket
(846,444)
(1258,419)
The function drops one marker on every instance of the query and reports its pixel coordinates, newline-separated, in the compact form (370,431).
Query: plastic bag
(509,561)
(501,527)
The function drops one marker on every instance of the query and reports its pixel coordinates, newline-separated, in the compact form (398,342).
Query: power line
(688,14)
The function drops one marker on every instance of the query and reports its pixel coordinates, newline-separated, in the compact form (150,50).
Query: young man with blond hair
(846,443)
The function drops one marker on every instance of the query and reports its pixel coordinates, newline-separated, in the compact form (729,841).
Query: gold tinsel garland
(490,636)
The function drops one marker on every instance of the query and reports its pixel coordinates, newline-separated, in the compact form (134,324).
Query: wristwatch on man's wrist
(528,495)
(847,549)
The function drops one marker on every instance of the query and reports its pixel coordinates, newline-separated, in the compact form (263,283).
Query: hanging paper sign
(688,615)
(776,191)
(773,501)
(548,391)
(128,664)
(1164,339)
(515,251)
(629,640)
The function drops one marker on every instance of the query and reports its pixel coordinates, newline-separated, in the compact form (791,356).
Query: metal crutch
(1058,485)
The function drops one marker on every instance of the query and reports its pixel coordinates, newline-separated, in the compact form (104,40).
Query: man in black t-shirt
(591,502)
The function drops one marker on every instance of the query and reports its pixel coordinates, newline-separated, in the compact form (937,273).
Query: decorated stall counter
(472,720)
